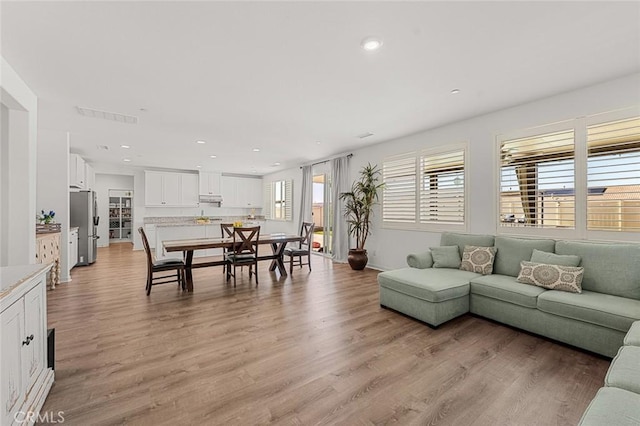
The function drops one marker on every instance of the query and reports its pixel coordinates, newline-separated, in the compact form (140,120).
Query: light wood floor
(312,349)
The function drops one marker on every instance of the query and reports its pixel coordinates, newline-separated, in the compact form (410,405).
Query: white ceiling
(291,78)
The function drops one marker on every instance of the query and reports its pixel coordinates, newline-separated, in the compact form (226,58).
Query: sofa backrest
(461,240)
(511,251)
(608,268)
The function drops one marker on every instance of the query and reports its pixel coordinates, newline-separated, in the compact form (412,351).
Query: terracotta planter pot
(357,259)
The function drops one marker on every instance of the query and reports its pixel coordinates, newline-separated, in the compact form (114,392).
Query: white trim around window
(427,190)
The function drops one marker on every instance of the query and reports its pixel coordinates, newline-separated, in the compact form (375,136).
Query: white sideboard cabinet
(25,378)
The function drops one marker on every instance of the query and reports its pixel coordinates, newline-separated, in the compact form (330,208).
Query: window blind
(267,210)
(613,176)
(288,203)
(442,187)
(537,181)
(399,191)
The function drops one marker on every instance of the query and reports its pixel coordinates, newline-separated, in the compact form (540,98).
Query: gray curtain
(339,183)
(306,196)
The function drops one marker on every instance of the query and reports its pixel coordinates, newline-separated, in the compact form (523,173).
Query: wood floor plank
(312,348)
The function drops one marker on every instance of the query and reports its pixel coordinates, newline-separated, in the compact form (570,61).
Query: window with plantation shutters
(613,176)
(425,190)
(442,187)
(279,204)
(537,181)
(399,191)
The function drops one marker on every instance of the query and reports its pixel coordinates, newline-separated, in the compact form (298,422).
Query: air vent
(102,148)
(106,115)
(365,135)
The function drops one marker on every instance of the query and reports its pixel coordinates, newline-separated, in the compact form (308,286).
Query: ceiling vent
(365,135)
(106,115)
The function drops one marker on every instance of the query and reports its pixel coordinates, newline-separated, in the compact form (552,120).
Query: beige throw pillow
(552,277)
(478,259)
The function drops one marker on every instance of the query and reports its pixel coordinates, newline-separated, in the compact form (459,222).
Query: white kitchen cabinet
(168,189)
(189,190)
(228,189)
(77,171)
(210,183)
(90,177)
(25,379)
(73,248)
(242,192)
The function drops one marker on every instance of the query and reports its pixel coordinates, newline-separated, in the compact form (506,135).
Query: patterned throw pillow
(478,259)
(553,277)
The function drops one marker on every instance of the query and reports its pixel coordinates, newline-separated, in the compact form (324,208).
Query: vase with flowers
(46,218)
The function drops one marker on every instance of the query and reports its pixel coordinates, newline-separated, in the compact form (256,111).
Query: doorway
(321,209)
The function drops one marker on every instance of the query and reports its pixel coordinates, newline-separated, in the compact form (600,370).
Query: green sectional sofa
(618,402)
(596,319)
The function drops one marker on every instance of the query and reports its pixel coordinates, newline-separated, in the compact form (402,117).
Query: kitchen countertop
(191,220)
(213,222)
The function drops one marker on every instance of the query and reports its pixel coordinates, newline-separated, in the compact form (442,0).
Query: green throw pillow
(540,256)
(445,257)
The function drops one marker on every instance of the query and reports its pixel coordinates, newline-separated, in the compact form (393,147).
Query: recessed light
(455,91)
(371,43)
(213,156)
(256,149)
(318,142)
(199,167)
(126,160)
(276,164)
(125,146)
(201,142)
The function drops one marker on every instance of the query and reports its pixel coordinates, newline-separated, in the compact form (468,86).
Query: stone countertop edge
(12,276)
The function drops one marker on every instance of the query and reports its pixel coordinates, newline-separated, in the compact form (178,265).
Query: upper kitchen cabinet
(90,177)
(242,192)
(77,172)
(168,189)
(210,183)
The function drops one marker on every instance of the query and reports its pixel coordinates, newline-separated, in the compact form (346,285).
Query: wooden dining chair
(296,254)
(226,231)
(244,252)
(161,265)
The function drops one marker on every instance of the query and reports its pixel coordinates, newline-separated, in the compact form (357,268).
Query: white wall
(105,182)
(18,174)
(388,248)
(52,186)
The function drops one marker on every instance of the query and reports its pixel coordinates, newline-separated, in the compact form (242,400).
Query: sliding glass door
(321,209)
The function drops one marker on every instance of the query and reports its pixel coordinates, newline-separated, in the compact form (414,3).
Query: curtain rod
(326,161)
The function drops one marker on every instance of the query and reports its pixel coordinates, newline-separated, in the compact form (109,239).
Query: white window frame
(433,226)
(579,126)
(270,201)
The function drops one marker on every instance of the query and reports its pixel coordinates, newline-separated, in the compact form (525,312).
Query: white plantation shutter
(399,192)
(442,187)
(267,210)
(537,181)
(613,176)
(288,203)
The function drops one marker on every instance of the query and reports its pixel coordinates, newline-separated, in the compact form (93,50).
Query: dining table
(277,242)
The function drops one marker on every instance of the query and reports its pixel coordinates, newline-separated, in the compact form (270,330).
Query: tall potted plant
(359,202)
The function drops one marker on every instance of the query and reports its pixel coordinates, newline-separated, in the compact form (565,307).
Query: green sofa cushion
(612,406)
(507,289)
(554,259)
(420,260)
(512,251)
(433,285)
(624,371)
(633,336)
(608,268)
(461,240)
(613,312)
(445,257)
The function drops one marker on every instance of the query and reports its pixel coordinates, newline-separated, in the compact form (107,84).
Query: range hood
(211,199)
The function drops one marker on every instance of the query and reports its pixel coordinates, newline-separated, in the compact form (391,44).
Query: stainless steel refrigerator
(84,215)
